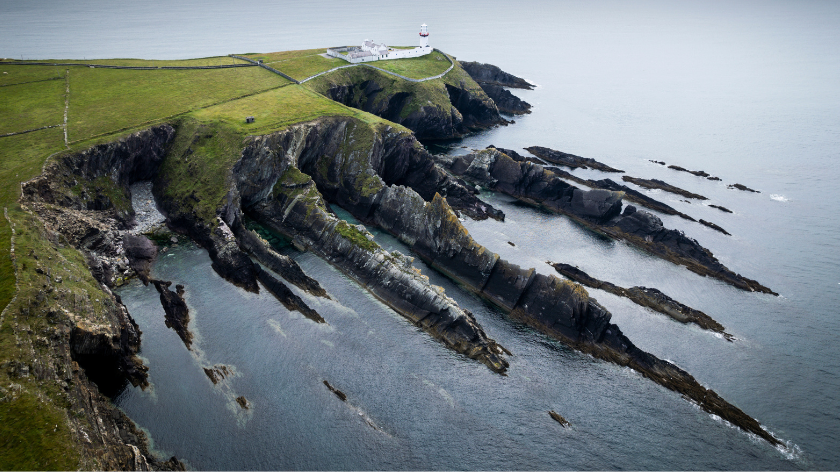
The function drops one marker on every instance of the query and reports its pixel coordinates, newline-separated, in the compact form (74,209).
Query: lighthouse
(424,36)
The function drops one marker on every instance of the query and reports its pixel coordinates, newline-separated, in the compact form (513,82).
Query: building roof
(355,54)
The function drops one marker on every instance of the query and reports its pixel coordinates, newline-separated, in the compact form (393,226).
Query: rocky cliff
(70,251)
(446,108)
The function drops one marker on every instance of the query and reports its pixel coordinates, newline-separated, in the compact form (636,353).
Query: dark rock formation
(243,403)
(440,109)
(727,210)
(289,203)
(177,313)
(648,297)
(217,373)
(505,101)
(518,157)
(599,210)
(661,185)
(698,173)
(285,296)
(140,252)
(556,417)
(336,391)
(490,74)
(630,194)
(742,187)
(657,162)
(569,160)
(714,227)
(285,266)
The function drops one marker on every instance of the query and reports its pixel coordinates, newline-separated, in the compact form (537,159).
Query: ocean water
(746,91)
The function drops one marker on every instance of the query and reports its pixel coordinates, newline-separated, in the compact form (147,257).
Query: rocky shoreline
(599,210)
(287,181)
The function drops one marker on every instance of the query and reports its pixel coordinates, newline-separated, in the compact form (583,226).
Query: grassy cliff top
(49,110)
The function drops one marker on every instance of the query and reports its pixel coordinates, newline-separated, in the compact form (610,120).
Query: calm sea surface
(747,91)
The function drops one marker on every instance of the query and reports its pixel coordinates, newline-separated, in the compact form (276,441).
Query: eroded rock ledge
(599,210)
(648,297)
(290,202)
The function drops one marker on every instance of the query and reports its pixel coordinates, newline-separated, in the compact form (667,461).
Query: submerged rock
(556,417)
(569,160)
(217,373)
(698,173)
(742,187)
(336,391)
(714,227)
(723,209)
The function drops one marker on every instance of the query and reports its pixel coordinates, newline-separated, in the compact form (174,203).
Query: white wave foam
(779,197)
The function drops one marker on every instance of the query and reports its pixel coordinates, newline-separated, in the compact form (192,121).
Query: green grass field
(204,61)
(22,74)
(421,67)
(299,64)
(31,105)
(103,101)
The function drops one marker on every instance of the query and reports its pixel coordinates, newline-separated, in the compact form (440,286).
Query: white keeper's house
(370,51)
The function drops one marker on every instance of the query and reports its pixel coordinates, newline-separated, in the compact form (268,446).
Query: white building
(370,51)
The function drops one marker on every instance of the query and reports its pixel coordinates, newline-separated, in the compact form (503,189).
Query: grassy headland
(207,107)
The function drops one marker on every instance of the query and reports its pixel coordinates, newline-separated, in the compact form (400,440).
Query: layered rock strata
(630,194)
(599,210)
(647,297)
(662,185)
(561,309)
(569,160)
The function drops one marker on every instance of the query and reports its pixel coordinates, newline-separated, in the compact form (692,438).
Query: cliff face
(70,253)
(493,81)
(438,109)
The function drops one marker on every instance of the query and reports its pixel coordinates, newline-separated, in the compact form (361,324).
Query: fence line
(253,62)
(104,66)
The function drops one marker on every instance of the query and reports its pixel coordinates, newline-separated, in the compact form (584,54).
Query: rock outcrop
(569,160)
(742,187)
(661,185)
(599,210)
(698,173)
(492,75)
(558,308)
(446,108)
(630,194)
(505,101)
(647,297)
(176,310)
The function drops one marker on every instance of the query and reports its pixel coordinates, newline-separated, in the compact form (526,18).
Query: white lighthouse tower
(424,36)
